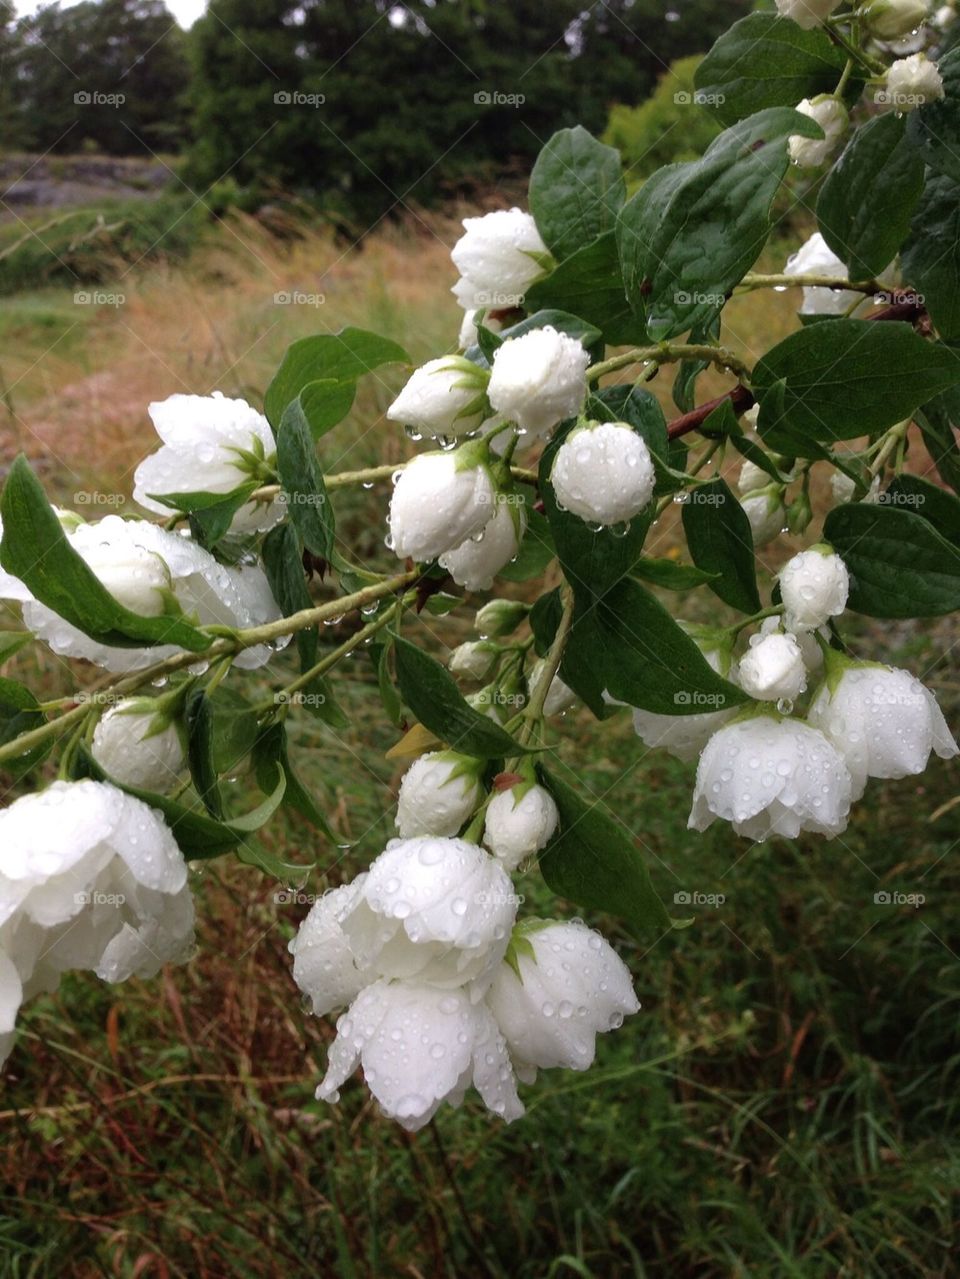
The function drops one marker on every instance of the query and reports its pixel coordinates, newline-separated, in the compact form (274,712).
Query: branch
(741,399)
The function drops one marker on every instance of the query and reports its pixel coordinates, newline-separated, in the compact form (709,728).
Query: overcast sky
(185,11)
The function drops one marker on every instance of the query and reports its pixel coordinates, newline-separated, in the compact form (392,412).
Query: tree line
(366,104)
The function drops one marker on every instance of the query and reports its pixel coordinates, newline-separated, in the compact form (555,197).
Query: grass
(784,1105)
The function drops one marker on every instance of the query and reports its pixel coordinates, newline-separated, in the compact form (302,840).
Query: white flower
(831,115)
(815,257)
(814,586)
(439,500)
(944,17)
(419,1047)
(539,379)
(91,879)
(560,697)
(518,826)
(468,329)
(138,745)
(443,398)
(497,257)
(476,562)
(883,721)
(475,659)
(889,19)
(807,13)
(206,443)
(771,776)
(751,417)
(437,910)
(911,82)
(843,489)
(772,668)
(438,793)
(323,964)
(684,736)
(766,513)
(603,473)
(569,985)
(140,564)
(751,478)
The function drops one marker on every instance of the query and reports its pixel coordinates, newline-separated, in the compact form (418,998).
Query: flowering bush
(540,469)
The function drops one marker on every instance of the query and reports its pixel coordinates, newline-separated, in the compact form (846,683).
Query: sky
(185,11)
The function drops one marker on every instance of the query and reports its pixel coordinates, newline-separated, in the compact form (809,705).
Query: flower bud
(807,13)
(831,115)
(815,257)
(844,490)
(751,478)
(603,473)
(764,509)
(440,499)
(519,822)
(814,587)
(137,744)
(890,19)
(476,562)
(443,398)
(799,513)
(539,379)
(498,257)
(475,659)
(500,617)
(772,669)
(438,793)
(910,83)
(211,444)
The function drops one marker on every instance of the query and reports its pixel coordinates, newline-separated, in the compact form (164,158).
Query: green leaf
(934,129)
(20,713)
(900,566)
(647,660)
(35,549)
(380,656)
(766,61)
(672,576)
(590,284)
(198,718)
(846,378)
(721,542)
(931,257)
(685,383)
(937,506)
(317,696)
(12,642)
(211,514)
(308,506)
(324,403)
(271,763)
(327,357)
(234,728)
(283,565)
(693,230)
(535,553)
(593,863)
(936,421)
(865,204)
(563,321)
(432,695)
(576,188)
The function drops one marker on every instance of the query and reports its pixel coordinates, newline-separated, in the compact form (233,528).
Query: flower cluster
(443,990)
(769,771)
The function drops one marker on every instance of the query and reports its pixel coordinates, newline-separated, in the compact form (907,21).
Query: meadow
(785,1104)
